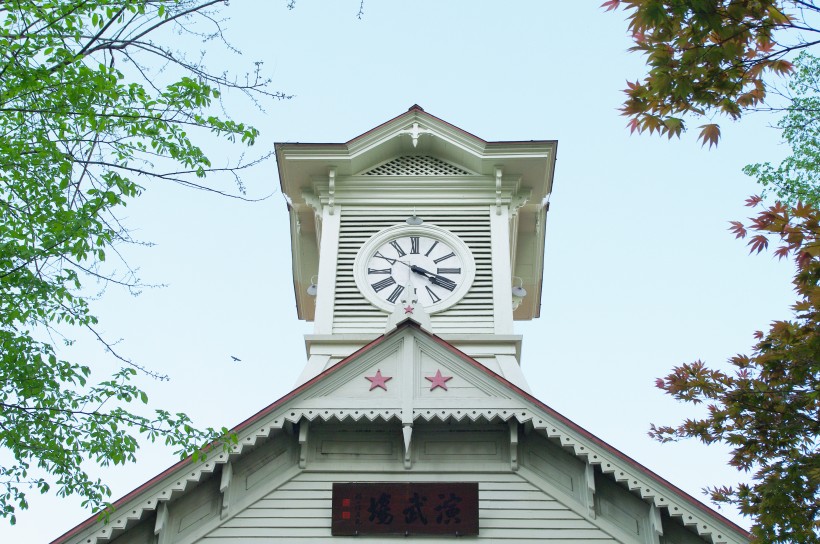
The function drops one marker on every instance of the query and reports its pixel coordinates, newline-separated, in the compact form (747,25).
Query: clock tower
(415,247)
(417,209)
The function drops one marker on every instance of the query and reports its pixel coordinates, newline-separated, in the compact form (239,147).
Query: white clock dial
(433,261)
(428,264)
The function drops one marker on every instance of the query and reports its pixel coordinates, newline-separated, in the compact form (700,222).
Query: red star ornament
(408,310)
(378,380)
(438,380)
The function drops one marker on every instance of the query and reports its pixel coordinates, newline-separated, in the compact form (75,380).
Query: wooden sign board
(405,509)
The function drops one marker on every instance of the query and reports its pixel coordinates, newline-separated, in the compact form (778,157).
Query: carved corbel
(590,477)
(513,423)
(518,201)
(225,488)
(498,175)
(162,521)
(655,520)
(407,431)
(331,190)
(315,204)
(303,442)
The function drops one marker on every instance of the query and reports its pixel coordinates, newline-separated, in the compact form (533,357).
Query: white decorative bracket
(162,521)
(313,201)
(225,488)
(518,201)
(331,190)
(415,132)
(498,174)
(303,445)
(513,423)
(657,523)
(590,476)
(407,431)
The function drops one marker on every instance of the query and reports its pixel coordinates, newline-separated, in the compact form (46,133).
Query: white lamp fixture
(518,292)
(311,290)
(414,219)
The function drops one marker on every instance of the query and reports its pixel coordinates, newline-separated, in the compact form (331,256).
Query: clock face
(431,260)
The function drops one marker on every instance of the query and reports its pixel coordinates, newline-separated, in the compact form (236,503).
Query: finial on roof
(415,107)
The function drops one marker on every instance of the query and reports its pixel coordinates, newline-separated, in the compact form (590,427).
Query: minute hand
(435,279)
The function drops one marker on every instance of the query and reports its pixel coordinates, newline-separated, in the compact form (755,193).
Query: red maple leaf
(738,229)
(782,251)
(803,259)
(710,134)
(610,5)
(758,243)
(753,201)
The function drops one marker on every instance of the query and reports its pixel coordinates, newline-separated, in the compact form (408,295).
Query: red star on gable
(438,380)
(408,309)
(378,380)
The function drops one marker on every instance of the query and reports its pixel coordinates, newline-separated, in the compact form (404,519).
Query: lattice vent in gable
(352,313)
(416,165)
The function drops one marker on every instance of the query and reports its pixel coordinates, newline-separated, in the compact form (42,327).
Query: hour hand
(421,271)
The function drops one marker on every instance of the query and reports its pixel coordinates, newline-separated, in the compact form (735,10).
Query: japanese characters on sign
(405,508)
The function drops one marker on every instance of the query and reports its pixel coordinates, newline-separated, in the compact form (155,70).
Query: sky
(641,273)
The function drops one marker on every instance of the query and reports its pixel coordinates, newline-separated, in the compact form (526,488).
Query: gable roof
(295,405)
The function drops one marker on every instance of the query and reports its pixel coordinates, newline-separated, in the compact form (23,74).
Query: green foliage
(795,179)
(767,409)
(84,114)
(708,58)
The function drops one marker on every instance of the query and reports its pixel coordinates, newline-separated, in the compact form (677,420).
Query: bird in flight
(237,359)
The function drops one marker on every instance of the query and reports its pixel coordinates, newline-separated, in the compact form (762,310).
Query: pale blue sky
(640,272)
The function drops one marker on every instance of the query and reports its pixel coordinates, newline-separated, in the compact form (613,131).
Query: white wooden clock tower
(415,248)
(486,200)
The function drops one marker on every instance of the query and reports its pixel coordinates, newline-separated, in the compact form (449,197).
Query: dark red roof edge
(415,107)
(404,324)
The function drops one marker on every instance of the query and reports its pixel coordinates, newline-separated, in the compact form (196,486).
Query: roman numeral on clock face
(394,296)
(444,258)
(434,297)
(414,245)
(398,248)
(380,271)
(435,243)
(386,282)
(441,281)
(448,271)
(388,259)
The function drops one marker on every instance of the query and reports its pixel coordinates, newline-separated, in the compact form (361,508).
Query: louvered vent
(415,165)
(473,314)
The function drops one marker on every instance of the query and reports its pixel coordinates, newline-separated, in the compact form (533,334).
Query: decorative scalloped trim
(580,447)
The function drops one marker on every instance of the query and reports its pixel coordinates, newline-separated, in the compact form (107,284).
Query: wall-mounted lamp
(414,219)
(518,293)
(311,290)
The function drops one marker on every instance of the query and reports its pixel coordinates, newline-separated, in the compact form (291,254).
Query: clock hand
(421,271)
(435,279)
(441,281)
